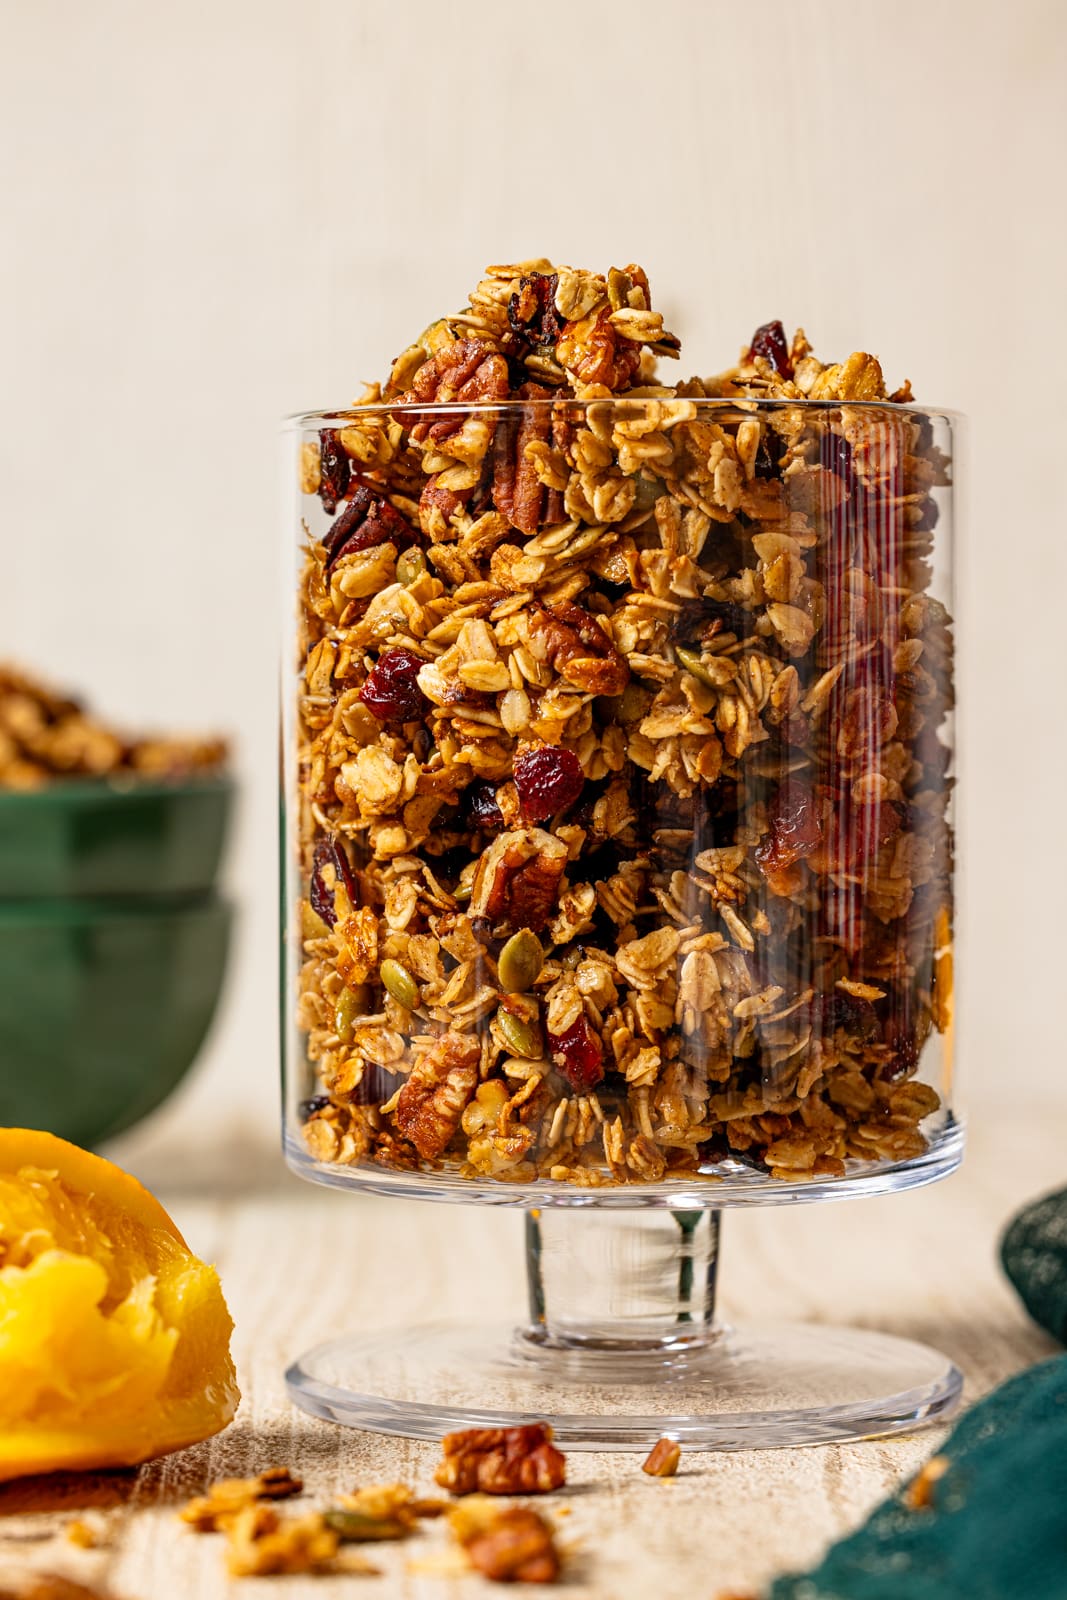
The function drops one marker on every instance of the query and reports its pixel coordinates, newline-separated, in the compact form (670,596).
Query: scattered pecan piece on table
(662,1460)
(501,1461)
(511,1544)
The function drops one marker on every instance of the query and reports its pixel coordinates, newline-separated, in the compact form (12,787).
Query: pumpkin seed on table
(692,662)
(521,1037)
(399,983)
(356,1526)
(412,565)
(520,962)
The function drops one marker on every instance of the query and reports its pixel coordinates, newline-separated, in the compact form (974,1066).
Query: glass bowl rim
(303,421)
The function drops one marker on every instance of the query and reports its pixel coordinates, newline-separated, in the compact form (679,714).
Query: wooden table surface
(299,1264)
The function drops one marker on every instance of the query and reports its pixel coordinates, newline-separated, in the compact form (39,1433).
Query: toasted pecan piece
(573,642)
(431,1103)
(501,1461)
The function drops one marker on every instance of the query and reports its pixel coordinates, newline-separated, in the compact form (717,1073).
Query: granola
(45,736)
(652,678)
(228,1497)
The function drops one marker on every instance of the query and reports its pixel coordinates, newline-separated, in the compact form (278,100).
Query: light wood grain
(300,1264)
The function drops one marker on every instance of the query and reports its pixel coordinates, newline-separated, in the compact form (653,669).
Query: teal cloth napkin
(1033,1252)
(986,1519)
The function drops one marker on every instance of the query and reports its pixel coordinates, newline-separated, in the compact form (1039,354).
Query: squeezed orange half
(114,1337)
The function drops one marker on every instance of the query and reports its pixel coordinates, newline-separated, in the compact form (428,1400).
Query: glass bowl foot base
(746,1387)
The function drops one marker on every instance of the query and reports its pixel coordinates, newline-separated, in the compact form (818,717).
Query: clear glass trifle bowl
(618,863)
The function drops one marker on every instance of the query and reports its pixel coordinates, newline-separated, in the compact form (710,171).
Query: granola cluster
(622,786)
(45,736)
(262,1542)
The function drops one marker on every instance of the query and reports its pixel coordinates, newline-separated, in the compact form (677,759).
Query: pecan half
(517,490)
(501,1461)
(469,370)
(572,641)
(518,878)
(515,1546)
(593,352)
(366,520)
(433,1100)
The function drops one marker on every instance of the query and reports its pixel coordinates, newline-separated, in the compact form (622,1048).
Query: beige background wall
(218,212)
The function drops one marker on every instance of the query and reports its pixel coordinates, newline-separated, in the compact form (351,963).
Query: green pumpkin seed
(400,984)
(648,492)
(520,962)
(522,1038)
(351,1005)
(633,703)
(691,661)
(355,1527)
(412,565)
(462,892)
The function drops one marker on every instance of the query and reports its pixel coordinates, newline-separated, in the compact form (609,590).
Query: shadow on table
(59,1492)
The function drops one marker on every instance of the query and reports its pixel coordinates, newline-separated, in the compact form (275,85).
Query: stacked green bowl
(113,947)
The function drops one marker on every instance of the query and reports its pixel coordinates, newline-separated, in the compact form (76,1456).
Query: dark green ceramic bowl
(113,837)
(103,1008)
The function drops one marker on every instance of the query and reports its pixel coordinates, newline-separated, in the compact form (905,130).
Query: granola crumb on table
(261,1541)
(654,688)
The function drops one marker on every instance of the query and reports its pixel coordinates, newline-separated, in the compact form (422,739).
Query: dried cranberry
(330,852)
(334,470)
(532,313)
(373,1089)
(579,1055)
(769,341)
(855,834)
(835,454)
(707,616)
(900,1034)
(391,692)
(795,729)
(548,779)
(308,1108)
(840,1010)
(482,808)
(795,830)
(769,455)
(367,520)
